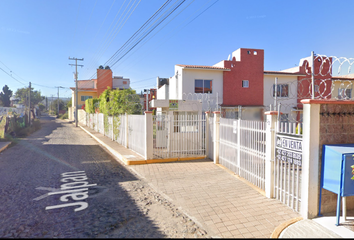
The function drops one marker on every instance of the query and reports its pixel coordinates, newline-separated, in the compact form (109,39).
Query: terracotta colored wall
(336,127)
(324,82)
(104,79)
(251,67)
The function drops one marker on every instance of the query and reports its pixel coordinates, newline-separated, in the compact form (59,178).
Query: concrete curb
(277,231)
(5,145)
(138,162)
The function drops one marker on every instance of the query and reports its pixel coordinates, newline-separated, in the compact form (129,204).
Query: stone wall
(336,127)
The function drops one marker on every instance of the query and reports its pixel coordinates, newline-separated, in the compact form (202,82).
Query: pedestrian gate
(287,164)
(177,136)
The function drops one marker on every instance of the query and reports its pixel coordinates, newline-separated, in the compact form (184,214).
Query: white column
(239,146)
(270,149)
(170,132)
(207,137)
(148,135)
(216,136)
(126,131)
(310,161)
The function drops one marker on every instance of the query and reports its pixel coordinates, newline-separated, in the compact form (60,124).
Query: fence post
(270,150)
(216,136)
(126,131)
(310,160)
(170,133)
(149,138)
(112,128)
(207,137)
(239,146)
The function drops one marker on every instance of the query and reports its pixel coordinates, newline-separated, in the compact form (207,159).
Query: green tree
(69,103)
(41,107)
(5,96)
(36,97)
(54,105)
(115,102)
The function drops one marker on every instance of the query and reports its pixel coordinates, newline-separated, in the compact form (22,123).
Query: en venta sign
(289,149)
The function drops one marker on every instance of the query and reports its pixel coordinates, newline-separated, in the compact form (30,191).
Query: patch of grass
(24,132)
(64,116)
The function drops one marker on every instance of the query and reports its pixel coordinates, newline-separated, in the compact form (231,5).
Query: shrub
(91,105)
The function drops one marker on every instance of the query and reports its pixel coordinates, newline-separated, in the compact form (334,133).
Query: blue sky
(37,37)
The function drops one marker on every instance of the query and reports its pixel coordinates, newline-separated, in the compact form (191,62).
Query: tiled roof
(203,67)
(284,73)
(244,106)
(344,77)
(86,83)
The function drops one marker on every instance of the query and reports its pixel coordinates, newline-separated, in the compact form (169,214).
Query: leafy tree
(36,97)
(41,107)
(69,103)
(91,104)
(115,102)
(54,105)
(5,96)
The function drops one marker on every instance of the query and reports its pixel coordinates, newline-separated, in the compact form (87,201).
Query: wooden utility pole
(76,88)
(29,104)
(58,100)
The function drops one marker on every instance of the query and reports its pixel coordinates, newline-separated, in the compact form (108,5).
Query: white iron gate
(178,136)
(287,164)
(242,149)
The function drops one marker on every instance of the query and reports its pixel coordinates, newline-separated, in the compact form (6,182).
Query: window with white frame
(203,86)
(281,91)
(83,98)
(245,83)
(344,93)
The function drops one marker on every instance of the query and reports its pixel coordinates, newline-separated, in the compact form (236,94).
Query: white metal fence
(115,129)
(136,133)
(179,136)
(287,164)
(120,136)
(243,150)
(211,139)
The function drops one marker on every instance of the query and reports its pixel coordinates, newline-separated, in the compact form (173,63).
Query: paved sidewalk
(223,204)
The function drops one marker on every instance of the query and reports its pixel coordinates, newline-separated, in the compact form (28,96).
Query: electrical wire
(152,27)
(172,33)
(133,36)
(103,46)
(148,33)
(101,25)
(12,77)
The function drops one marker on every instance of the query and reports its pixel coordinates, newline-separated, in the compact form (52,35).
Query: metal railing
(136,133)
(242,149)
(179,136)
(287,166)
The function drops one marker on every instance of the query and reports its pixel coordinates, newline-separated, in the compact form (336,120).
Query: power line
(102,24)
(103,47)
(148,33)
(173,32)
(13,77)
(152,27)
(142,38)
(153,16)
